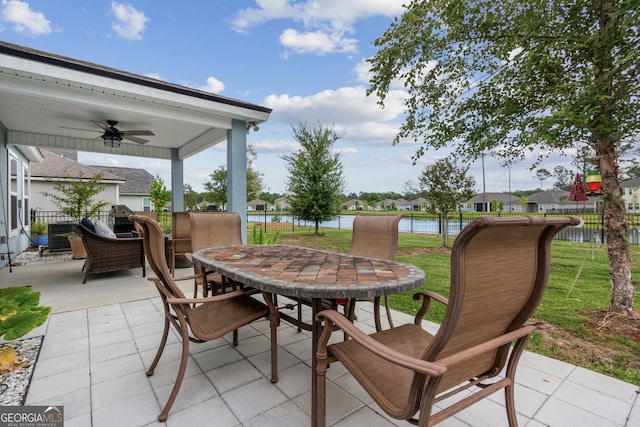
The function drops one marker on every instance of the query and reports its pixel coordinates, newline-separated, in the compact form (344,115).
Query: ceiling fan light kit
(113,137)
(111,140)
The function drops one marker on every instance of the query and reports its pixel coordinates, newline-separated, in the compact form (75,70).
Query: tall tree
(191,197)
(315,181)
(564,178)
(159,194)
(445,186)
(526,76)
(542,175)
(217,186)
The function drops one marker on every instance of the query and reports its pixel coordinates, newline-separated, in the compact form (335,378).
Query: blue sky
(303,59)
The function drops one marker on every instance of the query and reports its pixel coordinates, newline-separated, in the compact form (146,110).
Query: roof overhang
(52,101)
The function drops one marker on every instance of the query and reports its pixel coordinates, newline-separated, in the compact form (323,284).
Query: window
(13,193)
(26,192)
(630,206)
(146,204)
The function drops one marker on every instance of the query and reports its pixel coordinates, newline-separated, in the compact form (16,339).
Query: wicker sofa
(105,254)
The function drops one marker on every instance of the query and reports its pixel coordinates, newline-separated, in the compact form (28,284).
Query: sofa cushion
(103,229)
(88,224)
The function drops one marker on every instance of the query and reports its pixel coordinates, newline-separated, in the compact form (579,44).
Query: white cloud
(213,85)
(324,23)
(130,23)
(317,41)
(355,116)
(24,19)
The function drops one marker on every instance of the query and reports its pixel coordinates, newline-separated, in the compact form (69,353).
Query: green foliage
(262,238)
(315,179)
(217,186)
(191,197)
(445,186)
(524,76)
(76,196)
(39,228)
(20,312)
(159,194)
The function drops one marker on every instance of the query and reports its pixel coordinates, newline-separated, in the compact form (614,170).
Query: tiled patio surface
(102,335)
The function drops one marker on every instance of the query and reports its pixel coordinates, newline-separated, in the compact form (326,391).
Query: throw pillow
(103,229)
(88,224)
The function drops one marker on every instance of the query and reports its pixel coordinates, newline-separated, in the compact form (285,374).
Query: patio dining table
(301,272)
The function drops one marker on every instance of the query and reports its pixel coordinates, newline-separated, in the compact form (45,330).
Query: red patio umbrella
(577,192)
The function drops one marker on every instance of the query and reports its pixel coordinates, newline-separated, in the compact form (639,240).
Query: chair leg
(319,415)
(273,324)
(376,314)
(387,306)
(181,371)
(163,341)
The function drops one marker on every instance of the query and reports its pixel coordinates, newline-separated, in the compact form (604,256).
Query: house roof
(500,197)
(138,181)
(55,166)
(634,182)
(549,196)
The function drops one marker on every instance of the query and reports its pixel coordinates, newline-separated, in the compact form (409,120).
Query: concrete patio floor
(101,336)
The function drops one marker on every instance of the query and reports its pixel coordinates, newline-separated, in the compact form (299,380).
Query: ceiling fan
(112,133)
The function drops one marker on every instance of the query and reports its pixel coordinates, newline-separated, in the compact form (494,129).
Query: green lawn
(578,285)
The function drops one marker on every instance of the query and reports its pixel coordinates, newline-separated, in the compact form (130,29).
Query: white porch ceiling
(51,101)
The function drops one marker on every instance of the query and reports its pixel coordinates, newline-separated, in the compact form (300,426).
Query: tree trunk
(317,227)
(622,289)
(606,143)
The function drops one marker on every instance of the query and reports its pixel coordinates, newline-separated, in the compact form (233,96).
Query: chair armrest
(426,301)
(227,295)
(334,319)
(469,353)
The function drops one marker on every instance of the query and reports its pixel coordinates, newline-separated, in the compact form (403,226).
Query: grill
(119,219)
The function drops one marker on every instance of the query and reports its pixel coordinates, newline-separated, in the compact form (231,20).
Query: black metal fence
(592,230)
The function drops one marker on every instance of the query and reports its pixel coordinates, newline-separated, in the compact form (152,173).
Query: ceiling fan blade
(137,132)
(104,126)
(135,139)
(86,130)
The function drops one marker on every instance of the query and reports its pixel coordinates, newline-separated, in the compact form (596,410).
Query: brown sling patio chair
(199,319)
(499,273)
(209,230)
(180,242)
(373,236)
(151,214)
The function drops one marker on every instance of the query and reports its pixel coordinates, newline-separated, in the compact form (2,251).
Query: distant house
(419,204)
(257,205)
(58,167)
(631,195)
(352,205)
(557,201)
(482,202)
(403,205)
(136,189)
(282,204)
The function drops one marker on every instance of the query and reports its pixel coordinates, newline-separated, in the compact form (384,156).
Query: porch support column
(237,172)
(177,182)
